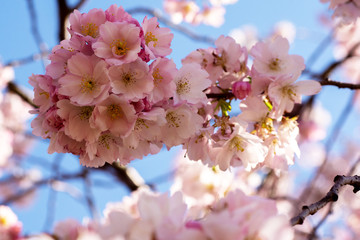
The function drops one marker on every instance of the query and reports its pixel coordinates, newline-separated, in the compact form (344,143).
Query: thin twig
(89,198)
(330,209)
(35,31)
(40,183)
(183,30)
(331,196)
(51,203)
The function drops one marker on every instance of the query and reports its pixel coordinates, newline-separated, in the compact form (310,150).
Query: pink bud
(241,89)
(193,225)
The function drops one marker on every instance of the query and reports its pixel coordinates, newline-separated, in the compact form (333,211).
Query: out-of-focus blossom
(285,29)
(10,227)
(246,36)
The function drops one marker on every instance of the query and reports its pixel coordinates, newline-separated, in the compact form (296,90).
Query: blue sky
(18,43)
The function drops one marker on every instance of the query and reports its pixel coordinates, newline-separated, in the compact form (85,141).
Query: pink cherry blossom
(119,42)
(117,14)
(230,56)
(241,89)
(76,121)
(87,82)
(271,58)
(284,93)
(132,80)
(182,122)
(163,71)
(157,39)
(114,114)
(106,149)
(43,91)
(62,143)
(87,24)
(241,146)
(190,82)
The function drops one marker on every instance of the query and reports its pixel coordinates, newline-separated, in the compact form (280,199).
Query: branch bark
(331,196)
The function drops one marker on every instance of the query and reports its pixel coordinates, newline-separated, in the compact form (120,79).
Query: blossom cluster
(101,99)
(110,94)
(212,13)
(260,134)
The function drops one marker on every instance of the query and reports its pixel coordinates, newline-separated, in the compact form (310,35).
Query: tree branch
(329,82)
(331,196)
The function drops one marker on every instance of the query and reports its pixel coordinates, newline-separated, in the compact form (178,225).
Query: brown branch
(326,73)
(329,82)
(331,196)
(63,12)
(228,95)
(13,88)
(330,209)
(120,172)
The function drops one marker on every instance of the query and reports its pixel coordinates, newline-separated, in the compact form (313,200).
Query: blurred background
(29,30)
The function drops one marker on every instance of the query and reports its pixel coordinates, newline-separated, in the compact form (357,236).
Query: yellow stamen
(157,77)
(275,64)
(120,47)
(128,79)
(90,29)
(149,37)
(47,95)
(86,112)
(173,119)
(3,221)
(182,86)
(237,142)
(87,84)
(114,111)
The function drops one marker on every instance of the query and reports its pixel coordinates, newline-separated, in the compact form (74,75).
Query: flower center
(87,84)
(3,221)
(86,112)
(157,77)
(120,47)
(128,79)
(289,91)
(47,95)
(90,30)
(173,119)
(149,37)
(140,124)
(275,64)
(182,86)
(237,142)
(104,141)
(114,111)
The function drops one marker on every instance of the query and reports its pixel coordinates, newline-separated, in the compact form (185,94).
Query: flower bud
(241,89)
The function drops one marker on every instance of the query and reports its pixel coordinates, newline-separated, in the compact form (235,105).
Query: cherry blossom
(131,80)
(119,42)
(87,82)
(157,39)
